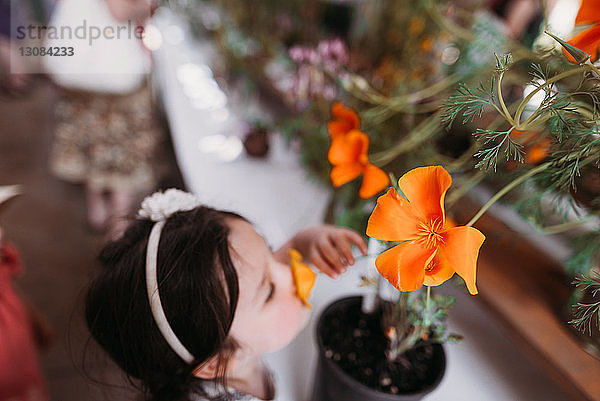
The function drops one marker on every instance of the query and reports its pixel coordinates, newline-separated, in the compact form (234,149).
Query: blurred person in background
(106,132)
(22,330)
(522,17)
(11,82)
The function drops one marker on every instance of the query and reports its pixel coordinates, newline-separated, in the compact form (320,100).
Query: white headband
(158,208)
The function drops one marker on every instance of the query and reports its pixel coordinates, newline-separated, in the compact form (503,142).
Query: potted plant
(376,349)
(393,352)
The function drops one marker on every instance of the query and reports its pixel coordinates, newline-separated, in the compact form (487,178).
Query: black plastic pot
(333,384)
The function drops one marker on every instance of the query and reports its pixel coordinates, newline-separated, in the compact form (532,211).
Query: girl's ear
(208,369)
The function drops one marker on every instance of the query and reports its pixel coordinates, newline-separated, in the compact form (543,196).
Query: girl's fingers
(323,266)
(344,247)
(330,254)
(357,240)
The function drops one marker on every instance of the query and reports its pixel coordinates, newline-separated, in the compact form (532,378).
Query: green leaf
(497,141)
(469,103)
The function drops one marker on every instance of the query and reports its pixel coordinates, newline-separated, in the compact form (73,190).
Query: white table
(275,193)
(277,196)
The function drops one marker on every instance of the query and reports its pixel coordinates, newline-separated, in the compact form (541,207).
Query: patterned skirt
(106,141)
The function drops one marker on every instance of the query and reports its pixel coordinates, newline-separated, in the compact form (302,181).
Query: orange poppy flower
(348,155)
(433,250)
(537,146)
(344,121)
(589,39)
(589,12)
(304,277)
(537,152)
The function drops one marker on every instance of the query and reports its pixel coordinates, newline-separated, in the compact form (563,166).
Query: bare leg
(97,209)
(120,207)
(14,83)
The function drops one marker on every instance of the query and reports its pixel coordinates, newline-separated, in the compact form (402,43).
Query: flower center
(429,233)
(432,265)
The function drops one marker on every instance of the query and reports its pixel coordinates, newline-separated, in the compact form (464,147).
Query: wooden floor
(48,225)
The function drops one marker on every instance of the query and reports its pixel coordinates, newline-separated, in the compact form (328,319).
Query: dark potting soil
(356,343)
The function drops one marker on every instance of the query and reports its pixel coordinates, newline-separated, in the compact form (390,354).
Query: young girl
(107,133)
(189,298)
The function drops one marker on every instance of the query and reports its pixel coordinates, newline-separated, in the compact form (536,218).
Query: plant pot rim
(358,386)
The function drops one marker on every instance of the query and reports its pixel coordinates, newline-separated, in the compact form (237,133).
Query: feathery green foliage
(587,314)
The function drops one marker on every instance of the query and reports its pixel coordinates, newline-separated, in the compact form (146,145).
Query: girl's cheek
(290,317)
(289,313)
(294,315)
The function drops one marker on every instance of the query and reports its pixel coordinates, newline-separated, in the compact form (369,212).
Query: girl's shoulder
(211,391)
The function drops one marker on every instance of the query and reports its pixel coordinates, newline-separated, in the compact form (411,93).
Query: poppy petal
(350,148)
(588,41)
(346,114)
(404,265)
(304,277)
(374,181)
(537,146)
(440,273)
(345,173)
(460,250)
(425,189)
(337,129)
(449,223)
(392,219)
(523,137)
(538,152)
(589,12)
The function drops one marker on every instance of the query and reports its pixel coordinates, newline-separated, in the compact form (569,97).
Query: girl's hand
(327,247)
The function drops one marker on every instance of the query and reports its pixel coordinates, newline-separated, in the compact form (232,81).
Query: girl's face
(269,314)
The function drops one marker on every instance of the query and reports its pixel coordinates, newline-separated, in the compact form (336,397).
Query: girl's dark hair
(198,287)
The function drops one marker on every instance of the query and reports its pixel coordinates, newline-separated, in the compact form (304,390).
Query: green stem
(426,320)
(559,228)
(531,119)
(399,103)
(402,310)
(549,82)
(534,118)
(501,99)
(426,92)
(593,67)
(506,189)
(539,120)
(408,342)
(462,189)
(425,130)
